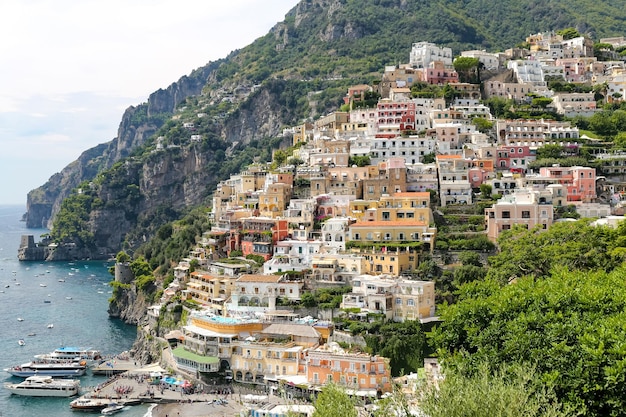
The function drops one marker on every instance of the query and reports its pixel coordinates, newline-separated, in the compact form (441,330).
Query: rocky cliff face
(138,124)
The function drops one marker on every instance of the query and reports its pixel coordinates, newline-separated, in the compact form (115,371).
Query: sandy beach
(197,410)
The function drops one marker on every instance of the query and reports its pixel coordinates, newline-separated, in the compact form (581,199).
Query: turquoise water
(78,298)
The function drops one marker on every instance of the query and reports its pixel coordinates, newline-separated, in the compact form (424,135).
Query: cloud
(71,67)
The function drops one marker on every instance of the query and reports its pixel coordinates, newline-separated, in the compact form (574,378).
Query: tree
(333,401)
(619,141)
(575,245)
(483,125)
(470,258)
(468,69)
(509,391)
(568,33)
(122,257)
(571,324)
(486,190)
(429,158)
(542,102)
(359,160)
(403,343)
(549,151)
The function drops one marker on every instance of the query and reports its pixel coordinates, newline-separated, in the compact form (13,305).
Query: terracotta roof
(396,223)
(259,278)
(448,156)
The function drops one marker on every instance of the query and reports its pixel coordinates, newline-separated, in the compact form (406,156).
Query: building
(254,290)
(361,374)
(535,132)
(523,207)
(336,269)
(574,104)
(515,158)
(580,182)
(424,53)
(454,184)
(398,299)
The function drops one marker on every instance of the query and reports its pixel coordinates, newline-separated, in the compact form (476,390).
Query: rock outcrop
(137,125)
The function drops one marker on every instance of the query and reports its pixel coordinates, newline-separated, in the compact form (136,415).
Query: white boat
(90,404)
(49,368)
(50,326)
(45,386)
(20,319)
(112,409)
(42,285)
(71,353)
(68,298)
(21,342)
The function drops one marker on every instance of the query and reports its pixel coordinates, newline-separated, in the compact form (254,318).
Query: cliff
(137,125)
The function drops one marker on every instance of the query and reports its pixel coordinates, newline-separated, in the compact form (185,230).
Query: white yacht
(45,386)
(71,353)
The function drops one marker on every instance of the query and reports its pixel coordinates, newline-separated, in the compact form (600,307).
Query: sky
(69,69)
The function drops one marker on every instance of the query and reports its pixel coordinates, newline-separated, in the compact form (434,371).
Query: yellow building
(274,200)
(209,289)
(393,231)
(403,206)
(302,133)
(275,352)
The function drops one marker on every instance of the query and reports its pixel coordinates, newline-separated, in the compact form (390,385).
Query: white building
(528,72)
(292,255)
(490,61)
(423,53)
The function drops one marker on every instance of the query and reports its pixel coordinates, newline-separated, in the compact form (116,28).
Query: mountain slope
(299,70)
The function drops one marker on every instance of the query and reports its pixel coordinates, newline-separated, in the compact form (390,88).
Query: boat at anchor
(45,386)
(49,368)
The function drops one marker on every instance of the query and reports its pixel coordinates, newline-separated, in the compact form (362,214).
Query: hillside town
(351,201)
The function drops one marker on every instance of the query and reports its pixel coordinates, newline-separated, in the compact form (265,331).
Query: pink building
(437,73)
(515,158)
(395,116)
(523,207)
(579,181)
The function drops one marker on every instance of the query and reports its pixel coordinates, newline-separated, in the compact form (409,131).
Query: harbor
(131,385)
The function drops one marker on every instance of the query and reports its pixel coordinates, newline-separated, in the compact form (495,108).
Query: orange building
(363,374)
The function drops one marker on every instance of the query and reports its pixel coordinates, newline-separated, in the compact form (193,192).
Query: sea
(70,296)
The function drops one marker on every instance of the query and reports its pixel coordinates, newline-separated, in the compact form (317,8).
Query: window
(506,214)
(399,301)
(525,214)
(410,302)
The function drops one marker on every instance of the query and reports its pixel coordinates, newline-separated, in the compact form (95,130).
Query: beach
(198,409)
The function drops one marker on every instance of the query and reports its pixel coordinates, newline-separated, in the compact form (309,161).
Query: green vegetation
(570,324)
(506,391)
(403,343)
(333,401)
(324,298)
(573,245)
(173,241)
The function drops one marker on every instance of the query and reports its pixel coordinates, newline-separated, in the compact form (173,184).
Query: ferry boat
(71,353)
(90,404)
(45,386)
(49,368)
